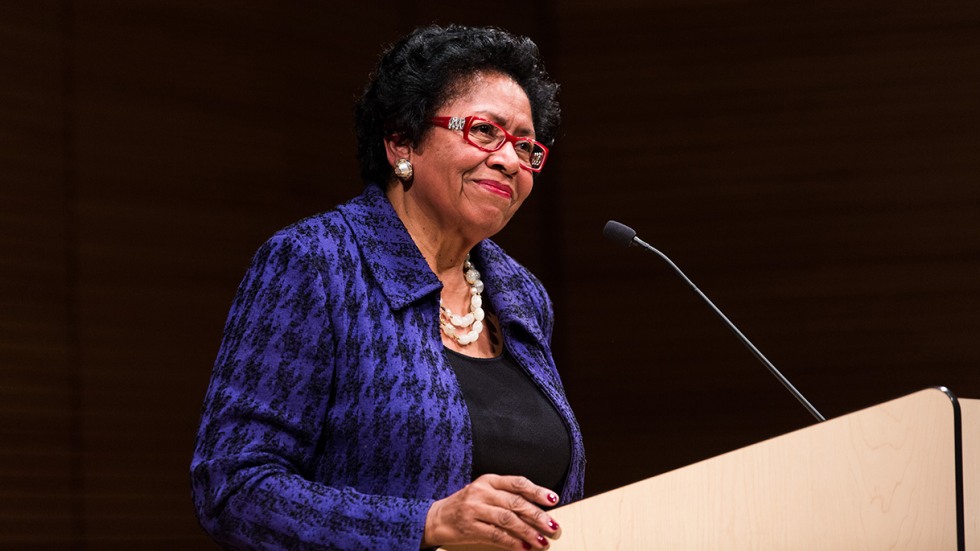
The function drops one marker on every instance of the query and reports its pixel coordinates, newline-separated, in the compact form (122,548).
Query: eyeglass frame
(465,123)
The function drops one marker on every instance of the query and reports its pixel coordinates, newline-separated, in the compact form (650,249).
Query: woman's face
(463,188)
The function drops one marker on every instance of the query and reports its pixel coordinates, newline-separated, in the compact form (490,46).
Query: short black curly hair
(422,71)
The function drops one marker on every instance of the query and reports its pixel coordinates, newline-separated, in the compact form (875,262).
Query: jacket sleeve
(256,453)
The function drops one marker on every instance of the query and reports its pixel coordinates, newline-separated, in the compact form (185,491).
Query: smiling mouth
(496,187)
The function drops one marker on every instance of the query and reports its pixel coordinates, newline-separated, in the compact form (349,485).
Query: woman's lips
(494,186)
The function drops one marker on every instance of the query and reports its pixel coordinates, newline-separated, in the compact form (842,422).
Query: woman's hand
(500,511)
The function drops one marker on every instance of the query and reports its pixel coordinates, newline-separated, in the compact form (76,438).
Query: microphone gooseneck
(626,236)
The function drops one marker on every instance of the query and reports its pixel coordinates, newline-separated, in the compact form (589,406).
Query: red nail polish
(552,524)
(525,545)
(542,541)
(553,498)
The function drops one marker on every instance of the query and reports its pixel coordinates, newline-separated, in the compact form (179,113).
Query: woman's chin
(487,222)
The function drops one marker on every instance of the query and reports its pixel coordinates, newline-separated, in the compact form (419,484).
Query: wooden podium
(904,474)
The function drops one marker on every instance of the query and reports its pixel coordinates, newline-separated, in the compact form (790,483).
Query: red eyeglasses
(489,136)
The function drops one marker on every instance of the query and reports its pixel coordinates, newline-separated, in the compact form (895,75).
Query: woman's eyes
(523,146)
(489,132)
(484,128)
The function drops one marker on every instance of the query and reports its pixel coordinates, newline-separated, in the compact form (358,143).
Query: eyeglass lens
(491,137)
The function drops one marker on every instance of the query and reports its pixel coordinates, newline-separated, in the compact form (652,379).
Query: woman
(385,380)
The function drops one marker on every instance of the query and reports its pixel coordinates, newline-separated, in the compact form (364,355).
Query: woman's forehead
(493,96)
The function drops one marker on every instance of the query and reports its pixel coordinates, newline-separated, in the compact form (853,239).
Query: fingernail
(525,545)
(553,497)
(542,541)
(552,524)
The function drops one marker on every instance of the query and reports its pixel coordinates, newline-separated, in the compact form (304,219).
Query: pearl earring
(403,170)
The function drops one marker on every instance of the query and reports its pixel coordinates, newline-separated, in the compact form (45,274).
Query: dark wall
(812,167)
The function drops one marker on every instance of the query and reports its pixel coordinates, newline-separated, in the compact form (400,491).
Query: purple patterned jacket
(333,419)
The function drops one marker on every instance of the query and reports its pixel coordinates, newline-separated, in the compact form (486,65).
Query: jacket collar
(388,250)
(513,297)
(404,276)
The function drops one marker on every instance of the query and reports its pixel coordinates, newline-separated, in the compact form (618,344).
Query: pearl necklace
(451,323)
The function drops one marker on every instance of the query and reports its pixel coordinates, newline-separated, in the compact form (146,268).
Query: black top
(516,429)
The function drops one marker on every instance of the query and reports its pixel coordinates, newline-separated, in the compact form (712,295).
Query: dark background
(812,166)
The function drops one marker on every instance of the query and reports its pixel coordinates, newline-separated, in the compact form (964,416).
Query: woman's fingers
(498,510)
(462,521)
(520,495)
(513,523)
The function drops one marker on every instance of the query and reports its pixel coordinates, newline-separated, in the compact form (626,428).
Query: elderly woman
(385,380)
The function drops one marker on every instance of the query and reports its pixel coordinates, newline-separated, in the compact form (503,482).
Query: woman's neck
(444,247)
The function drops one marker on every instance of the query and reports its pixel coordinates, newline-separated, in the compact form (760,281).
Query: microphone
(626,236)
